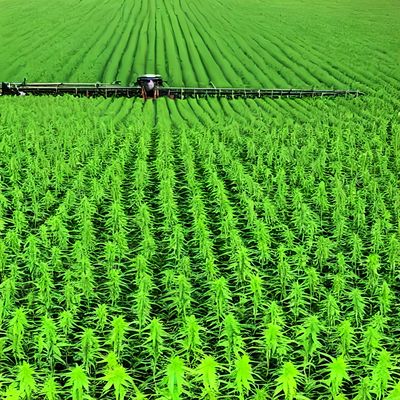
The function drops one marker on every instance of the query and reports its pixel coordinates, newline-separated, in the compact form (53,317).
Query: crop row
(214,259)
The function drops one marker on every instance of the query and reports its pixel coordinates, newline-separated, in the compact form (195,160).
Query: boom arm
(232,93)
(116,90)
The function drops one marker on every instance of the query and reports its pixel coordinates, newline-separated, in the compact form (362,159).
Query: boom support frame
(141,90)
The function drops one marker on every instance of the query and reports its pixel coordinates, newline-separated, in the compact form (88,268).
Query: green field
(201,248)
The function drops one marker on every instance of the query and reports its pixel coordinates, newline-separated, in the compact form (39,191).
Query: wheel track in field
(114,53)
(166,46)
(153,37)
(152,200)
(122,304)
(132,234)
(81,57)
(150,60)
(135,237)
(103,234)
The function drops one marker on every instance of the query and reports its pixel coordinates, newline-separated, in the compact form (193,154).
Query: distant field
(203,248)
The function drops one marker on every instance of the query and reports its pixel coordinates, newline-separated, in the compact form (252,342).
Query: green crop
(200,248)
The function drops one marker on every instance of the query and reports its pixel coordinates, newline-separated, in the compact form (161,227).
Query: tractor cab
(149,84)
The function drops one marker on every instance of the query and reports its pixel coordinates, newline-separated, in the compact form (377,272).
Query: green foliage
(233,341)
(117,335)
(155,342)
(337,370)
(275,342)
(243,375)
(79,383)
(175,377)
(381,374)
(201,248)
(207,373)
(26,381)
(395,393)
(191,339)
(89,349)
(118,379)
(308,337)
(51,389)
(16,330)
(287,381)
(345,332)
